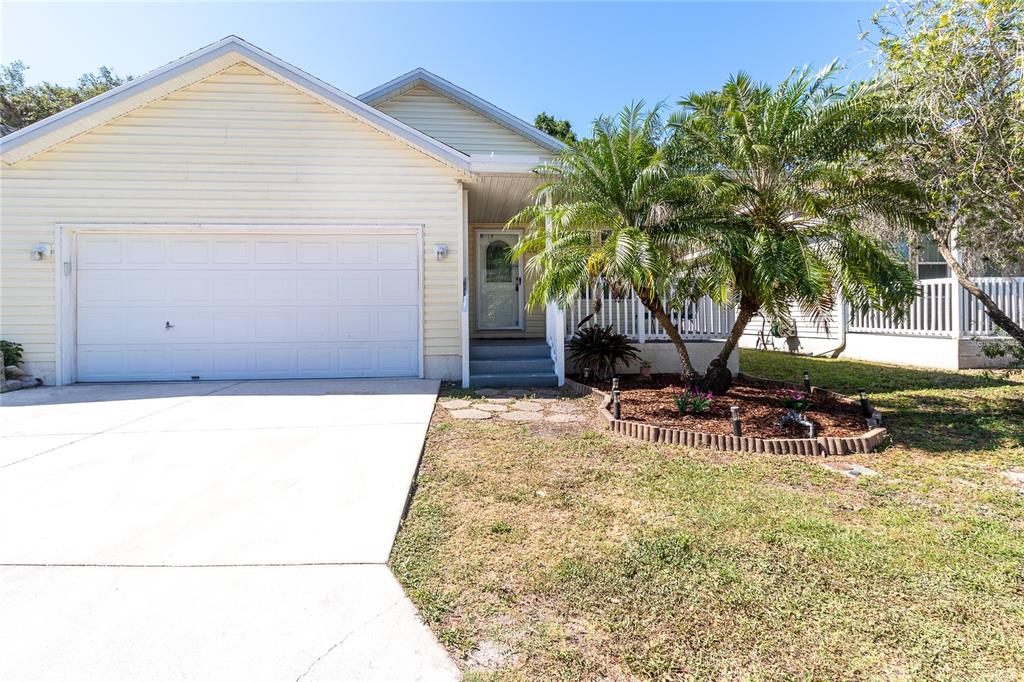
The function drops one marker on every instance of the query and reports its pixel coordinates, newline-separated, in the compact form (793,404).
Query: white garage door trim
(66,274)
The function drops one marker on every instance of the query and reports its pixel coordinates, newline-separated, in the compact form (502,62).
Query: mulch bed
(650,401)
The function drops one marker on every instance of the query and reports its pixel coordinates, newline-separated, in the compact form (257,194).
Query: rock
(491,407)
(490,655)
(520,416)
(849,469)
(456,404)
(16,372)
(1015,476)
(472,414)
(717,379)
(528,406)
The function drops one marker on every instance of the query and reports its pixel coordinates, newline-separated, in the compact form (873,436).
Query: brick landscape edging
(824,445)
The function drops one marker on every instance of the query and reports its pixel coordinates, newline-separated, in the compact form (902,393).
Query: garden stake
(807,382)
(737,428)
(865,407)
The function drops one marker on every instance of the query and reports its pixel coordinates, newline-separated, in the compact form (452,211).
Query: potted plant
(645,369)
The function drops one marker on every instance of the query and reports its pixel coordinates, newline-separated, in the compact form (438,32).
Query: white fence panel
(930,314)
(701,319)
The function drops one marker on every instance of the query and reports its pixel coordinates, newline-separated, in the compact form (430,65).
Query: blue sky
(575,60)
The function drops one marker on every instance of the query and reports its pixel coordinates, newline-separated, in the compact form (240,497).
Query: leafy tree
(598,216)
(558,128)
(956,65)
(24,104)
(785,194)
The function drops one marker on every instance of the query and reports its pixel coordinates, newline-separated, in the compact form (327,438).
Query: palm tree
(786,173)
(597,219)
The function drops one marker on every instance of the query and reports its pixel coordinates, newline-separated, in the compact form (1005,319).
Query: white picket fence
(701,319)
(944,308)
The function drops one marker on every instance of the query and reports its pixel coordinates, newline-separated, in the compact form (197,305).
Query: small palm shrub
(693,401)
(11,352)
(601,350)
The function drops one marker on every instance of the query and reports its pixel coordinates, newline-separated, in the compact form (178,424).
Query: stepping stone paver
(501,400)
(850,470)
(563,418)
(471,414)
(529,406)
(520,416)
(488,392)
(457,404)
(490,407)
(565,408)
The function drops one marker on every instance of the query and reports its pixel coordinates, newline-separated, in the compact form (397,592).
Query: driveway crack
(347,635)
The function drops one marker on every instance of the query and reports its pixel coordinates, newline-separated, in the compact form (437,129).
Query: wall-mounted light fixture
(441,250)
(41,251)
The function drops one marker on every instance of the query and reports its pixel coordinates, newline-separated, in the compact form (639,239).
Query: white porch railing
(702,319)
(944,308)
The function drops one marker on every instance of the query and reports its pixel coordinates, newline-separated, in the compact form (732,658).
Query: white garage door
(245,306)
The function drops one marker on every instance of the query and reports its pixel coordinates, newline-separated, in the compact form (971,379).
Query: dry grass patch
(577,554)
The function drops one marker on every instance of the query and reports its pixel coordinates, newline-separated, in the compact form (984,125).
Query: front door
(499,282)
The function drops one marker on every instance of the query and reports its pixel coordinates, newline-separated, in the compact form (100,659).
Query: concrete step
(517,379)
(500,350)
(511,366)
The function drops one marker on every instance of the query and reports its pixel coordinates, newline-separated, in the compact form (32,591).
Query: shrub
(793,399)
(1001,348)
(601,350)
(693,401)
(12,352)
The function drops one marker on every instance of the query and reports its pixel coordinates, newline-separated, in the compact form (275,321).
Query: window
(930,264)
(499,262)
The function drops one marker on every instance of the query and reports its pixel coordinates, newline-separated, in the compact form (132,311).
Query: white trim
(66,249)
(480,273)
(464,281)
(259,59)
(421,76)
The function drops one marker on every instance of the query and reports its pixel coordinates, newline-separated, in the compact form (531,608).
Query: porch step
(501,349)
(513,379)
(498,363)
(511,366)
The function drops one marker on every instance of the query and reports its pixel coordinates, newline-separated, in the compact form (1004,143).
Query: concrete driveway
(210,531)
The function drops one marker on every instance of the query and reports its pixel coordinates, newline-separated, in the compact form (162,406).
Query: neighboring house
(228,216)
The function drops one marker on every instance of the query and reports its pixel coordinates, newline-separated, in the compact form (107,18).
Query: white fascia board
(261,60)
(504,164)
(421,76)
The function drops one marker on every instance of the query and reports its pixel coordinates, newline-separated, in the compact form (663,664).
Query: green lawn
(575,554)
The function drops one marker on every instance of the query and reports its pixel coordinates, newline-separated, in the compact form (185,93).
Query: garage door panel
(396,360)
(247,306)
(397,288)
(189,251)
(144,251)
(100,287)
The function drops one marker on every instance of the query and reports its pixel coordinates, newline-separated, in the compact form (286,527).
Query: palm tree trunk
(653,303)
(743,318)
(999,318)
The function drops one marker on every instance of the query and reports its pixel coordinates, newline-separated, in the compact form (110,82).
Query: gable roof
(421,76)
(192,68)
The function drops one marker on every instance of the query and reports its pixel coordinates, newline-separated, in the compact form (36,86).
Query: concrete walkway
(210,531)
